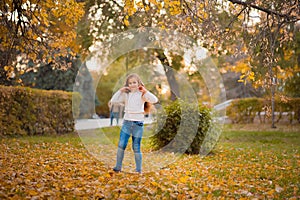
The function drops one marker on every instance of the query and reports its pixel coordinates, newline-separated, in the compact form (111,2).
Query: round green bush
(181,127)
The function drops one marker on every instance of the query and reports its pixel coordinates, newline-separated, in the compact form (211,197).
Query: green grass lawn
(247,163)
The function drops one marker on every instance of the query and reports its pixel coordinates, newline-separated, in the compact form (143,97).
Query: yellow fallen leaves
(58,170)
(183,179)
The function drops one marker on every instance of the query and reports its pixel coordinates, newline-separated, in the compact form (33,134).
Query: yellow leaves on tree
(41,26)
(262,79)
(168,12)
(286,73)
(130,7)
(243,67)
(9,71)
(175,7)
(62,23)
(126,21)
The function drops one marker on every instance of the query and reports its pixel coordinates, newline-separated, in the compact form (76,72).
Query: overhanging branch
(287,17)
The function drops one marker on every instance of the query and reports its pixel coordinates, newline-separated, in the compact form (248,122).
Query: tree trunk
(5,60)
(170,75)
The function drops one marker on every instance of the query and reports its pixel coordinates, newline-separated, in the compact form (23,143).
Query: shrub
(245,110)
(181,127)
(25,111)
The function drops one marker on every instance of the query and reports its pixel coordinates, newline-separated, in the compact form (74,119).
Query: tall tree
(223,27)
(48,77)
(36,32)
(129,20)
(269,36)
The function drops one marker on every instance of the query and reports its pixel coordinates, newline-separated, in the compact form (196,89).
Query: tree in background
(198,20)
(264,39)
(85,86)
(50,78)
(34,32)
(123,22)
(40,47)
(268,39)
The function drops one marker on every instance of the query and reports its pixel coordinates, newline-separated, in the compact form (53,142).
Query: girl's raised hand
(142,89)
(125,89)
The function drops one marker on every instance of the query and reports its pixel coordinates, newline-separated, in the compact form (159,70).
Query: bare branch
(287,17)
(195,15)
(235,17)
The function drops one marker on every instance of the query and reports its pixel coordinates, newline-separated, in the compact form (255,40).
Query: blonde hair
(130,76)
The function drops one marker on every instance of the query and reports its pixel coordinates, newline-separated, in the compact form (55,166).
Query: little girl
(133,95)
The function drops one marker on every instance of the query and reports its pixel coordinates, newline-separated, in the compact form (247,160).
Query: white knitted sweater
(134,103)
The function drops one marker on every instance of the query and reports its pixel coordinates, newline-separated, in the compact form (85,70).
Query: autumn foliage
(245,165)
(37,32)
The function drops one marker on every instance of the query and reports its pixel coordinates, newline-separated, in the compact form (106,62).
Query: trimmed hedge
(245,110)
(181,128)
(26,111)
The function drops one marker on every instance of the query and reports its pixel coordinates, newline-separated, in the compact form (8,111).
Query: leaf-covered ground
(244,165)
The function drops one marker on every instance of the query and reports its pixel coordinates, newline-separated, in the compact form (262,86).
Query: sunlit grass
(231,137)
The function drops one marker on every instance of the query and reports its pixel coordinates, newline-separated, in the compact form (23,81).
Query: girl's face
(133,83)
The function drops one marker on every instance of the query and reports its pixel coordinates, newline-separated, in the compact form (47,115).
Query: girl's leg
(137,134)
(124,136)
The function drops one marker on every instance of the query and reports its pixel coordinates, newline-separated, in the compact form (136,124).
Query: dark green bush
(245,110)
(181,127)
(25,111)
